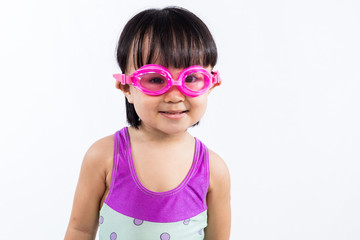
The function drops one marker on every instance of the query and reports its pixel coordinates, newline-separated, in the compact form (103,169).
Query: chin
(173,129)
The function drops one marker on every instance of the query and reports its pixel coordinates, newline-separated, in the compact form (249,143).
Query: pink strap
(217,79)
(122,78)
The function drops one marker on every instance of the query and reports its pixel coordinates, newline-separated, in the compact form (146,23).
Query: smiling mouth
(174,115)
(172,112)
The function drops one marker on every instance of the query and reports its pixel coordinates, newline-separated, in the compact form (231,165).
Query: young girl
(153,180)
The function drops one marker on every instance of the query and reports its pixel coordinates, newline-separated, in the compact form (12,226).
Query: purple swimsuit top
(129,197)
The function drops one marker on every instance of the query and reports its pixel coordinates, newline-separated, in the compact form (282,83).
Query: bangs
(170,37)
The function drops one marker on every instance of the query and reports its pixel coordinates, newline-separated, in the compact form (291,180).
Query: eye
(190,79)
(153,81)
(194,78)
(195,81)
(156,80)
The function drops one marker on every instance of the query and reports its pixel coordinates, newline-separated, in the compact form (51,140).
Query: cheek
(137,98)
(144,105)
(140,109)
(200,104)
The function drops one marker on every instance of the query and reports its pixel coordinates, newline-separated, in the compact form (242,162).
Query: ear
(126,90)
(218,84)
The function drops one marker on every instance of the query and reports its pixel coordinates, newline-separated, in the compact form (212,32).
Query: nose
(174,95)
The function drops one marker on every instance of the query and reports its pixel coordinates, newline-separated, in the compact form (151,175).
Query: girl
(153,180)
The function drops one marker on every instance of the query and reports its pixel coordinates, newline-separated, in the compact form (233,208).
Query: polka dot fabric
(116,226)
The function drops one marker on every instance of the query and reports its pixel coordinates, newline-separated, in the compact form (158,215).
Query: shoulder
(101,147)
(219,172)
(218,199)
(91,188)
(100,154)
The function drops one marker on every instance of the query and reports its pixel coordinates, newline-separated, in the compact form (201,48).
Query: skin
(157,138)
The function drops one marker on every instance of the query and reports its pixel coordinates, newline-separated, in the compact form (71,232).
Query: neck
(149,135)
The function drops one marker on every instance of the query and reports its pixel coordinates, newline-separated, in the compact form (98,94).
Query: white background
(286,118)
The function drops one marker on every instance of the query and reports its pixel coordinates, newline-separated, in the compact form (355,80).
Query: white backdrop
(286,118)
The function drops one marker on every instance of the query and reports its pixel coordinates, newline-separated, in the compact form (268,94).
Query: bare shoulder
(93,182)
(100,153)
(218,199)
(219,172)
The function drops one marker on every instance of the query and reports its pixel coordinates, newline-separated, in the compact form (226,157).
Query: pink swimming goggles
(155,80)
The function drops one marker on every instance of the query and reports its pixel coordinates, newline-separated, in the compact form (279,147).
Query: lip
(174,114)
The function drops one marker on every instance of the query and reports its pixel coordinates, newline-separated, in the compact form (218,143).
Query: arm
(218,200)
(90,191)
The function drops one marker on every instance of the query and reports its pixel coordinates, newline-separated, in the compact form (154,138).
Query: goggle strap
(122,78)
(216,78)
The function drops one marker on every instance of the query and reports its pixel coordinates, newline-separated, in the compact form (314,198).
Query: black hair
(171,36)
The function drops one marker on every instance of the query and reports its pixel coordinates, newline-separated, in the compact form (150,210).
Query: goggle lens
(153,81)
(196,81)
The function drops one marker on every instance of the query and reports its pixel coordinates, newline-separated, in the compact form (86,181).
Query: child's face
(170,113)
